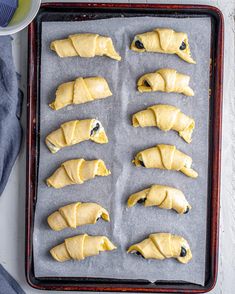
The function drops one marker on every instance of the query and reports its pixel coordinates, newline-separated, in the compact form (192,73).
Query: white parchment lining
(127,226)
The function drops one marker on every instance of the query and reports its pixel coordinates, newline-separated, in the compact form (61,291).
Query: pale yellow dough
(82,90)
(76,214)
(165,80)
(85,45)
(161,196)
(164,40)
(81,246)
(166,118)
(165,157)
(77,171)
(75,132)
(163,245)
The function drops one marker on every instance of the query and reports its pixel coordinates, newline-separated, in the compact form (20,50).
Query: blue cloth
(10,136)
(10,104)
(7,284)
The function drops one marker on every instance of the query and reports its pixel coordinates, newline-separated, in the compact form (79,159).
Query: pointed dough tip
(52,106)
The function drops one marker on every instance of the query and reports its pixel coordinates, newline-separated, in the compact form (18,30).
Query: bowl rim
(25,22)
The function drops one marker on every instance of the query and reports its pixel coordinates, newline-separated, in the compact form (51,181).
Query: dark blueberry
(183,252)
(141,163)
(96,128)
(187,210)
(146,84)
(139,44)
(142,200)
(183,46)
(138,253)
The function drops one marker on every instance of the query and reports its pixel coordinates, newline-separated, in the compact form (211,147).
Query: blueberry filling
(183,252)
(96,128)
(187,210)
(139,44)
(183,46)
(142,200)
(146,84)
(141,163)
(138,253)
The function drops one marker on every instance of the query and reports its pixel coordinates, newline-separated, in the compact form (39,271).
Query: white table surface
(12,202)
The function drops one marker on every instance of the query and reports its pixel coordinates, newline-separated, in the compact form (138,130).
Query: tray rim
(216,153)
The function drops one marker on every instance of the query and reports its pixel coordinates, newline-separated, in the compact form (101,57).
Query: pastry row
(156,246)
(84,90)
(78,214)
(160,40)
(162,156)
(165,117)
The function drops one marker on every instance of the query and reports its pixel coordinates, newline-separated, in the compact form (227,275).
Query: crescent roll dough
(166,157)
(82,90)
(163,245)
(81,246)
(161,196)
(74,132)
(163,40)
(166,118)
(75,215)
(165,80)
(85,45)
(77,171)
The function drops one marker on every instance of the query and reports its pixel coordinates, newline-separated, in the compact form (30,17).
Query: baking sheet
(127,226)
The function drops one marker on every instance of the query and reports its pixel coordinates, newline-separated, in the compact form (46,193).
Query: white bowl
(12,29)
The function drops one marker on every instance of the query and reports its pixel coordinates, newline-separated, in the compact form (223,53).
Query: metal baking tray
(86,11)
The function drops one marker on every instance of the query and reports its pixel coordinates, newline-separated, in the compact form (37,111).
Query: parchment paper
(127,226)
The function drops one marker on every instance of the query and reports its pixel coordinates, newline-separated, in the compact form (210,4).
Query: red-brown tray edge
(217,82)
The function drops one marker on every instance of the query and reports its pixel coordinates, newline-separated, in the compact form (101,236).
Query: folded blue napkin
(7,284)
(10,135)
(10,104)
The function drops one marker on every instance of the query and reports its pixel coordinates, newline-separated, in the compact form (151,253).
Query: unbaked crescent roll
(82,90)
(76,214)
(75,132)
(163,245)
(77,171)
(161,196)
(163,40)
(85,45)
(81,246)
(165,157)
(166,118)
(165,80)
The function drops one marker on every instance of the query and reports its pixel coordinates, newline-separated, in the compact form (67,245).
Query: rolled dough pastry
(163,245)
(165,80)
(165,157)
(81,246)
(77,171)
(74,132)
(85,45)
(75,215)
(163,40)
(82,90)
(166,118)
(161,196)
